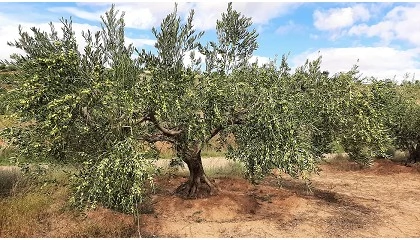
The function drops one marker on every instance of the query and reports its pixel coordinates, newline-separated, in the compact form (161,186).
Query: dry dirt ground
(344,201)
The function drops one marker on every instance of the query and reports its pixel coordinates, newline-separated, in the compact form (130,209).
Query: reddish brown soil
(344,201)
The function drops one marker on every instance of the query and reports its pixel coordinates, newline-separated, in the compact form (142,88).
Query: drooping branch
(237,121)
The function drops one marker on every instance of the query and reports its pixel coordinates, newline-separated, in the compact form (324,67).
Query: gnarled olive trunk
(198,185)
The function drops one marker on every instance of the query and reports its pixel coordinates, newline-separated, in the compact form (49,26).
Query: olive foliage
(105,109)
(399,107)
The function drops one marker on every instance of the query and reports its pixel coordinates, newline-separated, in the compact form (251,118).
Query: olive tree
(107,109)
(257,105)
(408,133)
(408,119)
(400,113)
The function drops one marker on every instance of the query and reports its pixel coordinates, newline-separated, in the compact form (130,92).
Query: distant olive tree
(399,107)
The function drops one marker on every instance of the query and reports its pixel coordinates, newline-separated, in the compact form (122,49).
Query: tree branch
(236,120)
(237,117)
(156,138)
(214,132)
(167,132)
(145,118)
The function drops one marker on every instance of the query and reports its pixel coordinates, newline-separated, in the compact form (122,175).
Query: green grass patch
(335,157)
(399,156)
(166,154)
(6,156)
(337,147)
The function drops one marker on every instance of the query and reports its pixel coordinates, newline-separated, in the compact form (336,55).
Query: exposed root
(200,187)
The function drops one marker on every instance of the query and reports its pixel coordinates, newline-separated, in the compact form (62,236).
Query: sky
(383,39)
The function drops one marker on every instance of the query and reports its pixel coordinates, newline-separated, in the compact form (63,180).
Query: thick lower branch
(152,118)
(214,132)
(157,138)
(167,132)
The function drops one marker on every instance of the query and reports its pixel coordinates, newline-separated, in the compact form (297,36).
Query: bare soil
(344,201)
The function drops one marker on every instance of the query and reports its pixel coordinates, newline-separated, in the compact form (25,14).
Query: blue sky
(382,38)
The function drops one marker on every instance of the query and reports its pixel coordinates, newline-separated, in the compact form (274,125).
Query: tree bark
(414,154)
(198,185)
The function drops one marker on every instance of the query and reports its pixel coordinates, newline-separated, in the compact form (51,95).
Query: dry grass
(6,121)
(213,166)
(400,156)
(9,177)
(39,207)
(231,169)
(24,216)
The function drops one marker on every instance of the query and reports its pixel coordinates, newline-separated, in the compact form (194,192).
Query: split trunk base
(198,185)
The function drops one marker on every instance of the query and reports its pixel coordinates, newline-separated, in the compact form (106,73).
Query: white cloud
(380,62)
(140,42)
(401,23)
(338,18)
(263,13)
(197,55)
(208,12)
(313,36)
(77,12)
(9,33)
(144,15)
(13,34)
(290,26)
(138,15)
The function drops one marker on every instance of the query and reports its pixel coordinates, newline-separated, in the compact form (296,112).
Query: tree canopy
(106,109)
